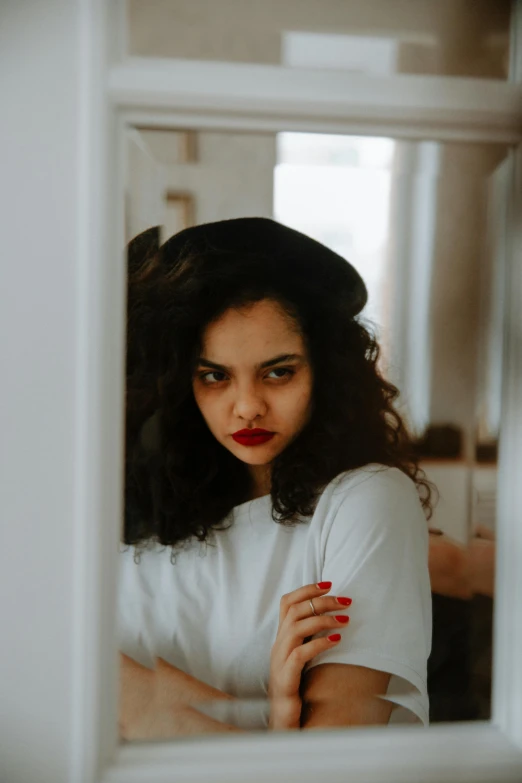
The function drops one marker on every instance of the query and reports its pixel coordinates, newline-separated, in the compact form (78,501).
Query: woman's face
(254,373)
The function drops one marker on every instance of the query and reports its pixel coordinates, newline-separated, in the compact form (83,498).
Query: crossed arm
(158,703)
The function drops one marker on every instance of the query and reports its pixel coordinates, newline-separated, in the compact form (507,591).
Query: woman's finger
(295,634)
(302,594)
(305,652)
(288,667)
(302,610)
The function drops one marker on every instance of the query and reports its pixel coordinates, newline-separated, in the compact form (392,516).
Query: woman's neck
(261,482)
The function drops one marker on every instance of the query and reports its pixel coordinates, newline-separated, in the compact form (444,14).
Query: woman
(282,487)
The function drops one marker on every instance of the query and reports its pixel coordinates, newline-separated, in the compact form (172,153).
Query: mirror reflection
(313,403)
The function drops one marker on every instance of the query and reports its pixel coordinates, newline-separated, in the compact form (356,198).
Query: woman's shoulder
(373,502)
(370,479)
(374,494)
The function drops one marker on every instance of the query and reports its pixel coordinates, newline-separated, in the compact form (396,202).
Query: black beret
(283,245)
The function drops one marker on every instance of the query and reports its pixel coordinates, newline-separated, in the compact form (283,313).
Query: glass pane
(423,223)
(440,37)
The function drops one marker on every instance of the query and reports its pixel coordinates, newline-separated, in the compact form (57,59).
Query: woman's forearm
(174,720)
(181,687)
(162,702)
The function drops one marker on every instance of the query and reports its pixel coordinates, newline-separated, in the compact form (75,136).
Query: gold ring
(313,610)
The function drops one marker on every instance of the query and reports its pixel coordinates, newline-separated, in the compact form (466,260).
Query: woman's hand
(292,648)
(162,702)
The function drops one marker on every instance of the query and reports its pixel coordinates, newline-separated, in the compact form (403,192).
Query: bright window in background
(336,189)
(341,52)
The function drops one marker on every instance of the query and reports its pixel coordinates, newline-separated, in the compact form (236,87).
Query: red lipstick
(253,437)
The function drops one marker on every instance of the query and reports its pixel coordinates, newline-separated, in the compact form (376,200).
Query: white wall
(144,203)
(456,295)
(232,176)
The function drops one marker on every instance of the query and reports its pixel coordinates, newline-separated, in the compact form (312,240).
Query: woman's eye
(206,377)
(286,372)
(215,376)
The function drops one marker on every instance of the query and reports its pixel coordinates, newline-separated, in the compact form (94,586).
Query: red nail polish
(334,637)
(344,601)
(324,585)
(341,618)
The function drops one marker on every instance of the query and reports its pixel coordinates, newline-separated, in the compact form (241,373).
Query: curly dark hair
(189,483)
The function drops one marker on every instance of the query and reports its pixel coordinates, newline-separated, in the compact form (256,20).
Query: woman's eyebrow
(284,357)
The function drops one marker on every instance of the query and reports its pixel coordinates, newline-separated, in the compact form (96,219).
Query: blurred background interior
(422,220)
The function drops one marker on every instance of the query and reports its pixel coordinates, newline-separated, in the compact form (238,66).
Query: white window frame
(59,663)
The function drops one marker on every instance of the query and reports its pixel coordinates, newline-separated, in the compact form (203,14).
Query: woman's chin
(255,455)
(255,460)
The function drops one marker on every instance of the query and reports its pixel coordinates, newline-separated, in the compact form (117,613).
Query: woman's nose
(249,404)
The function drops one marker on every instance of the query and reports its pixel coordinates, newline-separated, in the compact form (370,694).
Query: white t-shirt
(212,608)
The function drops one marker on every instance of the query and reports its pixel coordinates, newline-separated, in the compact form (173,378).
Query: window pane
(438,37)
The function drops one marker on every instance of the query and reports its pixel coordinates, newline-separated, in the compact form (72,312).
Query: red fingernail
(324,585)
(344,601)
(341,618)
(335,637)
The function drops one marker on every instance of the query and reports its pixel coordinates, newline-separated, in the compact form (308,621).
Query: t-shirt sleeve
(375,550)
(136,607)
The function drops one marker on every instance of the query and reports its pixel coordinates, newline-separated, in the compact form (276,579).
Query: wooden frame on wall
(80,314)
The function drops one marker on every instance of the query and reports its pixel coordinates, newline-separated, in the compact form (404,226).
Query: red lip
(253,437)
